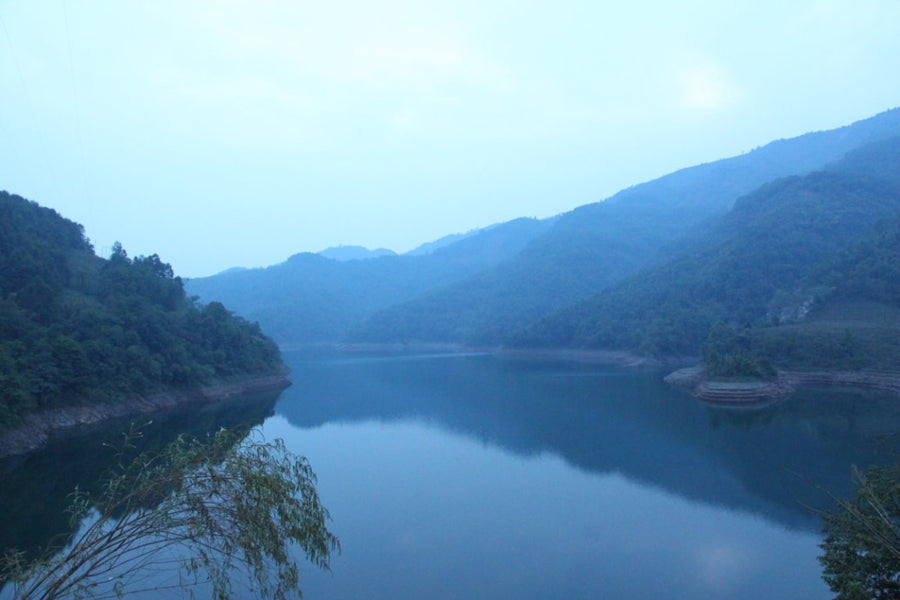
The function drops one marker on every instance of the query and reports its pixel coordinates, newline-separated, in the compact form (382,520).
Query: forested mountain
(75,327)
(797,272)
(429,247)
(310,298)
(597,245)
(491,286)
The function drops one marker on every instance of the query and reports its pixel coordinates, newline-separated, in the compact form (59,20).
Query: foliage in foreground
(861,551)
(219,512)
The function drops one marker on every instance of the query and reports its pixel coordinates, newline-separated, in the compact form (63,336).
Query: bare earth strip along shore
(694,378)
(38,428)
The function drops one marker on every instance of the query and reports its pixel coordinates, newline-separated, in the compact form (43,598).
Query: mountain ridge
(767,270)
(463,290)
(310,298)
(596,245)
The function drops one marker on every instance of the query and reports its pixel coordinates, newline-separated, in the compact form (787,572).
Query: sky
(220,134)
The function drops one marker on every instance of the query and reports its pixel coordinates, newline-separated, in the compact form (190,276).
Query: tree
(861,557)
(230,512)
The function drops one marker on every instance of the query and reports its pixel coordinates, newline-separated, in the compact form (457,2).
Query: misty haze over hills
(496,285)
(311,298)
(363,253)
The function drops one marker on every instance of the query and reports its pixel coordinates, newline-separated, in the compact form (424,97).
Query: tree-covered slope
(75,327)
(599,244)
(310,298)
(779,257)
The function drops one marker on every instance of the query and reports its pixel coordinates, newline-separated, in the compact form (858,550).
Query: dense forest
(318,298)
(75,327)
(802,272)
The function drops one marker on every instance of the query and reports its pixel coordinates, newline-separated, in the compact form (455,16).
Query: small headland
(751,391)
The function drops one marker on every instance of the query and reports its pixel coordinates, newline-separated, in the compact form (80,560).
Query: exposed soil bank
(878,380)
(755,391)
(36,429)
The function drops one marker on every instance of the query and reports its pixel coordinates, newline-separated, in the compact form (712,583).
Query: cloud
(347,42)
(705,88)
(307,77)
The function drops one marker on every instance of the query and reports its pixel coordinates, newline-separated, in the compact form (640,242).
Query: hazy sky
(222,134)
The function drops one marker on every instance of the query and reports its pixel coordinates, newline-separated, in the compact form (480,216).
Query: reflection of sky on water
(467,476)
(424,513)
(773,462)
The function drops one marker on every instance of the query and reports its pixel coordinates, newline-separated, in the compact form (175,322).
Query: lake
(471,476)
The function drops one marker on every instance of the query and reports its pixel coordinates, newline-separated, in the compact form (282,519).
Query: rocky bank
(36,429)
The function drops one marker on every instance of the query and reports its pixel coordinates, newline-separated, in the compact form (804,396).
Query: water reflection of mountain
(36,487)
(774,462)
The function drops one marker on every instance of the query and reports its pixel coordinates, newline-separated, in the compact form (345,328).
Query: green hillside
(310,298)
(75,327)
(856,324)
(598,245)
(772,273)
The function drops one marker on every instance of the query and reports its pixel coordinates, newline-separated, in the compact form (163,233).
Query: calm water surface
(470,476)
(475,477)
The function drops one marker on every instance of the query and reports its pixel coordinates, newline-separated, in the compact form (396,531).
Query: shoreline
(744,393)
(37,429)
(607,357)
(693,378)
(600,357)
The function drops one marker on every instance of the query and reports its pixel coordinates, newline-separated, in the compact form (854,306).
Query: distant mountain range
(649,270)
(311,298)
